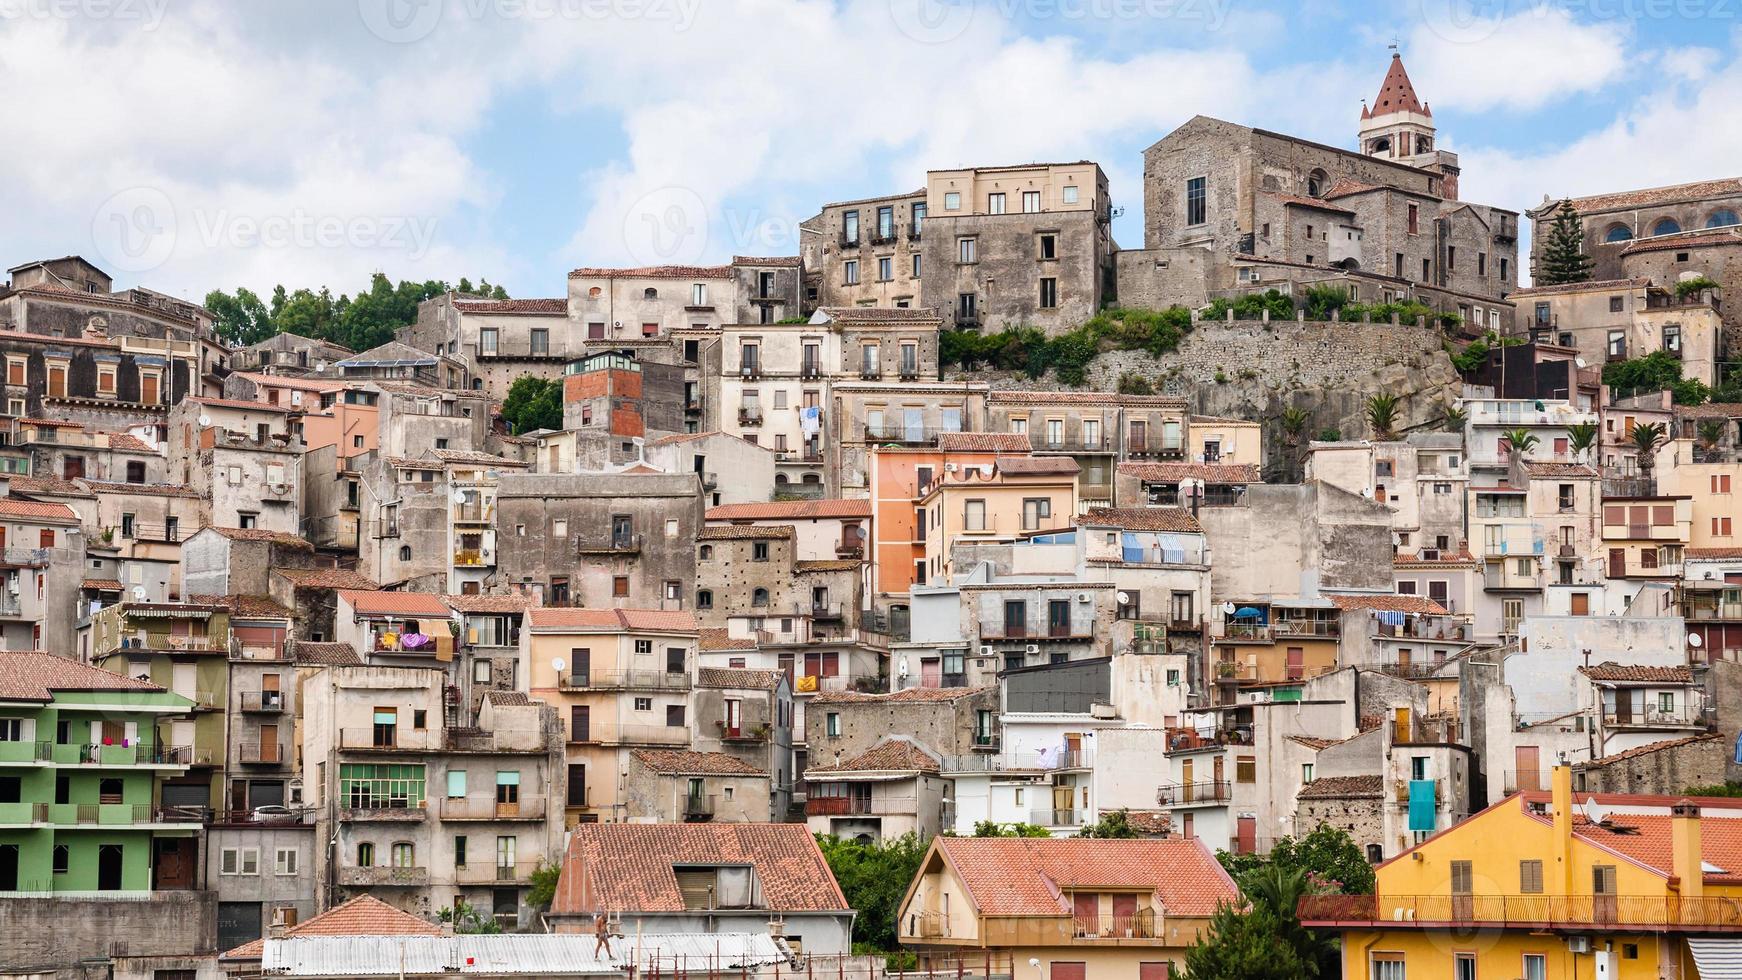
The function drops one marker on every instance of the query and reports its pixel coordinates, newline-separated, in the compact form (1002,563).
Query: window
(60,859)
(1464,966)
(974,515)
(1197,200)
(966,250)
(539,340)
(620,586)
(851,270)
(1049,293)
(967,307)
(1069,194)
(1535,966)
(487,340)
(1414,219)
(1035,510)
(1617,344)
(1672,338)
(1246,769)
(1530,877)
(704,599)
(952,201)
(995,203)
(1048,246)
(404,855)
(456,784)
(916,265)
(15,370)
(284,861)
(850,227)
(674,716)
(885,269)
(759,598)
(1030,202)
(1666,226)
(643,704)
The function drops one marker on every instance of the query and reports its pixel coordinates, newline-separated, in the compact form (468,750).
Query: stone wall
(1672,769)
(1363,817)
(41,936)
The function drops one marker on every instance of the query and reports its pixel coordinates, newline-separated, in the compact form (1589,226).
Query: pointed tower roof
(1396,94)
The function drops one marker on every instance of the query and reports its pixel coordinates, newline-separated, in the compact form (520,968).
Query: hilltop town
(1096,578)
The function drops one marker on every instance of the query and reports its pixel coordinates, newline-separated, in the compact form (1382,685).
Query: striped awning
(1717,959)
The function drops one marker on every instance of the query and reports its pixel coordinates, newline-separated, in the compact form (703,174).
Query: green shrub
(1251,306)
(1132,383)
(1688,286)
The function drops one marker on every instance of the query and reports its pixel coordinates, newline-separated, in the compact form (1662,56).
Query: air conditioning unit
(949,467)
(1031,648)
(1083,597)
(1578,944)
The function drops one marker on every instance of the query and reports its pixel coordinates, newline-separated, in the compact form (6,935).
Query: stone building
(599,539)
(648,304)
(770,288)
(893,789)
(1317,214)
(748,714)
(243,458)
(1018,246)
(237,561)
(1616,319)
(288,355)
(394,361)
(864,253)
(949,722)
(1097,430)
(1352,804)
(748,466)
(866,417)
(68,451)
(612,404)
(683,786)
(431,518)
(497,340)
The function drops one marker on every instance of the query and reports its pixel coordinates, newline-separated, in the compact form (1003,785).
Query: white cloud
(1535,57)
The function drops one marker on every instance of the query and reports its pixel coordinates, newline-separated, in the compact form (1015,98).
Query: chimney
(1561,798)
(1684,842)
(277,930)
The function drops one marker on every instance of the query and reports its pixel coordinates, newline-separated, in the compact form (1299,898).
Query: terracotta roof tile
(512,602)
(629,867)
(513,699)
(1710,410)
(656,272)
(744,532)
(127,442)
(1712,552)
(482,459)
(911,695)
(739,678)
(143,489)
(1389,603)
(1337,787)
(1038,466)
(1637,751)
(281,538)
(298,384)
(890,755)
(378,603)
(1205,472)
(1142,519)
(1590,285)
(1649,196)
(1396,93)
(828,565)
(1459,557)
(328,578)
(649,620)
(102,584)
(239,404)
(717,639)
(983,442)
(364,915)
(1024,876)
(327,654)
(546,307)
(1150,823)
(1309,202)
(785,261)
(37,484)
(791,510)
(33,676)
(1639,673)
(1560,469)
(879,314)
(1689,240)
(34,510)
(683,762)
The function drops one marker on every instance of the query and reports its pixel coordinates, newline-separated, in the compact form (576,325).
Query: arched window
(1380,145)
(405,552)
(1618,233)
(1318,182)
(650,293)
(404,855)
(1666,226)
(759,598)
(594,293)
(812,479)
(1424,144)
(707,552)
(1723,218)
(365,855)
(704,599)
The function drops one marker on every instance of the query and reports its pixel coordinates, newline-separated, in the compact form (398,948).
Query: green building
(82,761)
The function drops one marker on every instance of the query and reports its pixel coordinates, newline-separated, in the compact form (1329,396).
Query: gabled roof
(656,272)
(297,384)
(35,510)
(1577,470)
(628,867)
(893,754)
(1204,472)
(143,489)
(1648,749)
(744,532)
(238,404)
(281,538)
(33,676)
(739,678)
(716,638)
(791,510)
(983,442)
(650,620)
(1142,519)
(327,654)
(1651,196)
(911,695)
(1389,603)
(380,603)
(392,352)
(1026,876)
(1342,787)
(683,762)
(328,578)
(1038,466)
(483,459)
(364,915)
(545,307)
(512,602)
(1639,674)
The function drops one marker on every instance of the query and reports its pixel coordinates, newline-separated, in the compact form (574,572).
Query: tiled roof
(1560,469)
(35,510)
(32,676)
(468,456)
(1313,743)
(298,384)
(1141,519)
(879,314)
(1038,466)
(1025,876)
(512,602)
(739,677)
(569,617)
(682,762)
(889,755)
(1690,240)
(983,442)
(364,915)
(1389,603)
(911,695)
(1310,202)
(239,404)
(1712,552)
(1098,398)
(328,578)
(542,306)
(102,584)
(51,423)
(1638,673)
(1645,838)
(378,603)
(392,352)
(785,261)
(1710,410)
(512,699)
(744,532)
(791,510)
(1150,823)
(327,654)
(1338,787)
(1651,196)
(717,639)
(1205,472)
(1593,286)
(828,565)
(630,867)
(37,484)
(281,538)
(1636,752)
(257,606)
(679,438)
(1396,94)
(127,442)
(144,489)
(656,272)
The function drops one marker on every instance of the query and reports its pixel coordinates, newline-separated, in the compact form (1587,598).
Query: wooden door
(1246,835)
(1154,971)
(1603,892)
(931,672)
(1528,768)
(1069,971)
(1581,603)
(1296,663)
(1218,770)
(269,743)
(45,538)
(175,862)
(148,389)
(1124,915)
(1086,909)
(1186,789)
(580,723)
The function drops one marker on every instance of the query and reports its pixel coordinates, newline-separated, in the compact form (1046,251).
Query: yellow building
(1713,487)
(620,678)
(1232,442)
(1083,909)
(1003,500)
(1544,886)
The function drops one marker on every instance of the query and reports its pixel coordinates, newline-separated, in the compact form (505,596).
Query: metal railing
(1652,716)
(876,806)
(488,808)
(627,680)
(615,543)
(1058,817)
(1041,442)
(1322,628)
(698,806)
(261,753)
(484,873)
(398,739)
(1721,914)
(264,702)
(1016,761)
(1197,791)
(1023,631)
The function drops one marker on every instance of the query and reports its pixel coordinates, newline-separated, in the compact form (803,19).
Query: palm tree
(1294,421)
(1646,439)
(1520,441)
(1581,436)
(1711,433)
(1382,416)
(1454,418)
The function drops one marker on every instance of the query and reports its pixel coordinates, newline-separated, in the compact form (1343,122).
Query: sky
(187,145)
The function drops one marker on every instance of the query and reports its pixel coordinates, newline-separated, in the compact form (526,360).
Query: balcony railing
(1069,443)
(616,543)
(1652,716)
(1712,610)
(698,806)
(263,702)
(1197,791)
(136,754)
(876,806)
(1015,761)
(486,873)
(262,753)
(1143,927)
(487,808)
(407,877)
(627,680)
(1058,817)
(399,739)
(1579,912)
(1023,631)
(470,558)
(1319,628)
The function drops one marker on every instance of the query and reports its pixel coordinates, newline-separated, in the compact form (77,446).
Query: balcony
(1711,611)
(1524,912)
(405,877)
(98,814)
(489,809)
(137,754)
(1056,817)
(698,808)
(1321,629)
(394,739)
(1023,631)
(472,558)
(810,370)
(870,372)
(749,419)
(1237,631)
(383,809)
(849,549)
(1191,740)
(750,370)
(1043,443)
(482,873)
(1056,760)
(860,806)
(1143,928)
(1681,716)
(909,372)
(1144,449)
(1503,576)
(615,544)
(261,754)
(826,610)
(263,702)
(1198,792)
(626,680)
(663,736)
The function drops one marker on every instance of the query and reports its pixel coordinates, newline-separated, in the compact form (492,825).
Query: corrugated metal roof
(532,954)
(1717,959)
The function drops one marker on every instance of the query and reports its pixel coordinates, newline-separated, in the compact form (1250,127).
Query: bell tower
(1398,126)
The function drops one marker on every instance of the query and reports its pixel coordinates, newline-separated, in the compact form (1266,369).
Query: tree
(1656,371)
(1520,441)
(533,403)
(1132,383)
(240,319)
(1116,825)
(1382,416)
(1328,856)
(1581,436)
(1454,418)
(1294,421)
(1563,249)
(368,320)
(543,883)
(874,876)
(991,828)
(1646,439)
(1710,432)
(1241,944)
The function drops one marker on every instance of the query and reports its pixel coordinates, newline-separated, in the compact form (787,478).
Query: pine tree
(1563,250)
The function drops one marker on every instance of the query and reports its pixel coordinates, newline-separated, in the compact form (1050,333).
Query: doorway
(109,871)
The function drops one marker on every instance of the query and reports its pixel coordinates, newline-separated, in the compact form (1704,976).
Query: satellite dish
(205,419)
(1123,597)
(1694,640)
(637,441)
(459,496)
(557,664)
(139,593)
(1593,811)
(901,668)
